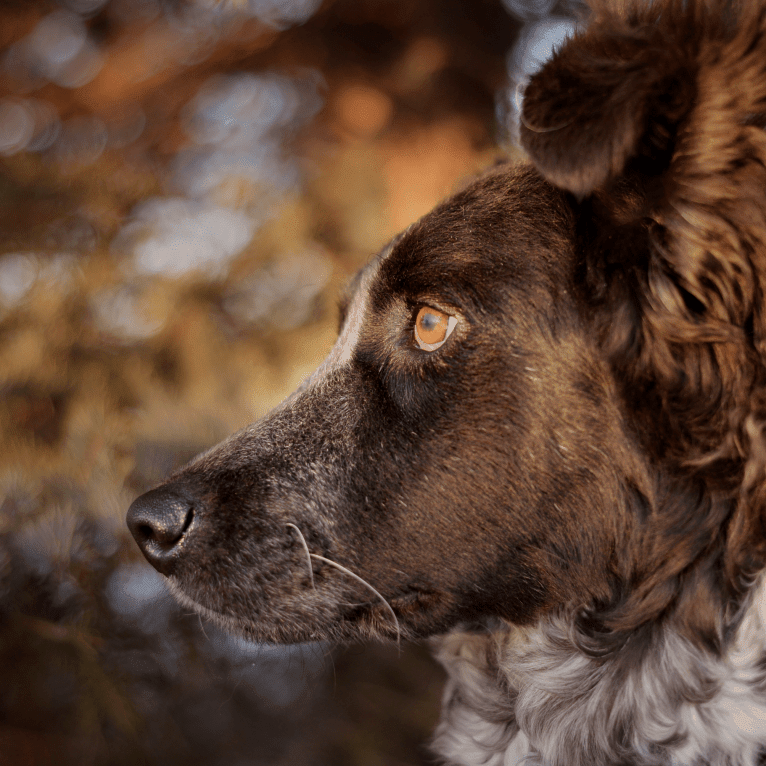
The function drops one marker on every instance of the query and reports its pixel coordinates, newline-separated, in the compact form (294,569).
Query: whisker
(366,585)
(308,553)
(202,627)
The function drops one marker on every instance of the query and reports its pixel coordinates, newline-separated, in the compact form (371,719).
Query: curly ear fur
(602,101)
(654,118)
(622,88)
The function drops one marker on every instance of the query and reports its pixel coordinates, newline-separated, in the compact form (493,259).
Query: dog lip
(416,599)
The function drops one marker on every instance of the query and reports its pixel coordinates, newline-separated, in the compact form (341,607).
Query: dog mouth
(338,620)
(290,587)
(321,612)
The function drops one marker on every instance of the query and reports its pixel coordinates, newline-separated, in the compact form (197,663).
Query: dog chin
(225,622)
(345,623)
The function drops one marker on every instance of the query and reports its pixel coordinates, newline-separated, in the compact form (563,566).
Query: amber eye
(432,328)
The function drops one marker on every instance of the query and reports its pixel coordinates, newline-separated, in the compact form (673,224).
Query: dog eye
(432,328)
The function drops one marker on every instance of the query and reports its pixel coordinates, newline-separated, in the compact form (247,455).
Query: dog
(539,438)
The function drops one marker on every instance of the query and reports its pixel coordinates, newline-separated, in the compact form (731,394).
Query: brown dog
(543,420)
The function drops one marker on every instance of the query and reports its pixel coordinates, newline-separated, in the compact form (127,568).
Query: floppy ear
(654,117)
(613,93)
(656,120)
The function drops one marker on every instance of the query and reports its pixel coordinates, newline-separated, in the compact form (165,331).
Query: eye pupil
(429,321)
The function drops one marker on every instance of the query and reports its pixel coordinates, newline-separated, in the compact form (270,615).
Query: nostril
(167,529)
(159,520)
(161,534)
(145,532)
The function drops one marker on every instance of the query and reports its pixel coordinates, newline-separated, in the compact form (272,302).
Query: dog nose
(158,520)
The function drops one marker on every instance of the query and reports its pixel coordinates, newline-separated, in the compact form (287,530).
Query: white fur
(530,695)
(342,352)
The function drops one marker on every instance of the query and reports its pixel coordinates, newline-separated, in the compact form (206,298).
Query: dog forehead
(506,227)
(482,240)
(357,310)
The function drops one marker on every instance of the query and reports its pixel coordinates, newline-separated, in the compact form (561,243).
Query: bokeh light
(186,186)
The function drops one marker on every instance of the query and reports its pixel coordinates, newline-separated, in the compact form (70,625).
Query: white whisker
(308,553)
(366,585)
(202,627)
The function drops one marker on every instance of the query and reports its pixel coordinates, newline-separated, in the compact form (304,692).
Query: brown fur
(577,474)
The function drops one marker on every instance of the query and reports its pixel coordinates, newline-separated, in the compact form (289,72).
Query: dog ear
(611,94)
(654,117)
(658,126)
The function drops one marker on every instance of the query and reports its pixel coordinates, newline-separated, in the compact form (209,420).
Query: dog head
(547,393)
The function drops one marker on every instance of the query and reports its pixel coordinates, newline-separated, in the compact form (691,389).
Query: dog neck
(532,695)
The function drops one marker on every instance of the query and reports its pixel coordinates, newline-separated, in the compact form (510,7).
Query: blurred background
(184,186)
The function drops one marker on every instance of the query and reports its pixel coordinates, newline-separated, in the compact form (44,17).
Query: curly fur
(675,672)
(546,695)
